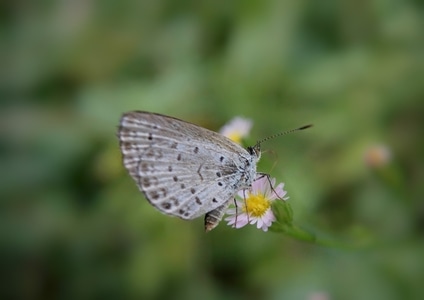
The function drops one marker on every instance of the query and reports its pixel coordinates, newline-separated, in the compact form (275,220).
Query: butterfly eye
(255,150)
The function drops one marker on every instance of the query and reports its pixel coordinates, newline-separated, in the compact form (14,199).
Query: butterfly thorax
(249,169)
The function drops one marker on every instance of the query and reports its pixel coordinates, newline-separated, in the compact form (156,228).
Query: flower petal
(243,194)
(237,221)
(252,220)
(260,223)
(259,185)
(242,220)
(231,211)
(278,192)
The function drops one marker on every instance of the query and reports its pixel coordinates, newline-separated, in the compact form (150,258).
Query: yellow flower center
(235,137)
(256,205)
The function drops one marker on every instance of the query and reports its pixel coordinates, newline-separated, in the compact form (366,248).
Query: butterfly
(185,170)
(182,169)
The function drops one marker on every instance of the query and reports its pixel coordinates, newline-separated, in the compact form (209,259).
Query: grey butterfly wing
(182,169)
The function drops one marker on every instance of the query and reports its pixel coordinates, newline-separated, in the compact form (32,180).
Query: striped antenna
(280,134)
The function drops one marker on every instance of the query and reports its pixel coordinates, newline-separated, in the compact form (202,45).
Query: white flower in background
(237,129)
(378,156)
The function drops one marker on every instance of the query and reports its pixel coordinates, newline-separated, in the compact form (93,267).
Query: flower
(378,156)
(236,129)
(319,295)
(254,206)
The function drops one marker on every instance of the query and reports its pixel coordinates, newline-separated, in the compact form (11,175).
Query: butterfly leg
(262,175)
(245,209)
(213,217)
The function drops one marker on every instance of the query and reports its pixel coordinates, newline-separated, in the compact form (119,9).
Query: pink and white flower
(237,129)
(254,206)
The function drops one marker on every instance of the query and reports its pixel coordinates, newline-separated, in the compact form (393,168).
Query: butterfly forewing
(183,170)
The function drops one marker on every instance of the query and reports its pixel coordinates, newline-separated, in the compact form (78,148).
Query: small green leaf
(283,212)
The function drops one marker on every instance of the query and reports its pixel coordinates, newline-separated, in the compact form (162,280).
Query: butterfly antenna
(281,133)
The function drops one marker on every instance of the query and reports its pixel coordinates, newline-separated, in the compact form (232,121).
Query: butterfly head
(255,151)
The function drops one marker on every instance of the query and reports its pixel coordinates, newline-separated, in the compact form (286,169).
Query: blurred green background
(73,224)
